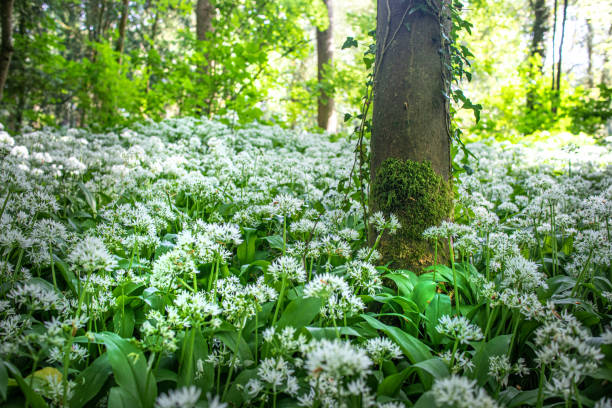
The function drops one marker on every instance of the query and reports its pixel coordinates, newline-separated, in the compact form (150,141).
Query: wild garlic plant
(198,265)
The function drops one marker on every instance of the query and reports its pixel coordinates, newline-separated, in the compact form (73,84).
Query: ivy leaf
(350,42)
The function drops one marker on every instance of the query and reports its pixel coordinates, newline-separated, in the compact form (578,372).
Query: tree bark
(554,38)
(604,71)
(122,24)
(326,115)
(538,31)
(557,95)
(204,16)
(589,45)
(410,126)
(6,52)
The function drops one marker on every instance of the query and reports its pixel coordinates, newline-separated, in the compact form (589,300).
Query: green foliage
(590,111)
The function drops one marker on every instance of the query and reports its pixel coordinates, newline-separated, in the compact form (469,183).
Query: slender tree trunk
(6,52)
(554,38)
(410,163)
(559,62)
(326,116)
(606,58)
(536,48)
(589,44)
(122,24)
(204,16)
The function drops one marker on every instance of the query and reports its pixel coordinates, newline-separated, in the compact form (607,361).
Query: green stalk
(375,245)
(540,402)
(8,195)
(452,363)
(578,281)
(452,255)
(280,299)
(490,318)
(52,267)
(284,234)
(517,319)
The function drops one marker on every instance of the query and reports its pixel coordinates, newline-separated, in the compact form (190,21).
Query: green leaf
(3,380)
(123,322)
(89,198)
(412,347)
(330,332)
(275,241)
(426,400)
(120,398)
(423,293)
(33,398)
(69,277)
(349,42)
(495,347)
(246,250)
(405,281)
(300,312)
(90,381)
(438,307)
(130,369)
(435,367)
(194,348)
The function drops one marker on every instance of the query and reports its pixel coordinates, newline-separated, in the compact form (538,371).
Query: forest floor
(185,263)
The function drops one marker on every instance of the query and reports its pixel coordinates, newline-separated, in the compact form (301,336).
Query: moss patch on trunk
(420,198)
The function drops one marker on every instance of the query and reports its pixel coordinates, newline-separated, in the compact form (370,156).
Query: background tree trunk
(557,94)
(6,52)
(554,38)
(589,45)
(122,24)
(326,116)
(538,31)
(410,127)
(204,16)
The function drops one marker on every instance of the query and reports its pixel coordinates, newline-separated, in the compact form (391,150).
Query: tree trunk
(6,52)
(204,15)
(536,48)
(326,116)
(557,95)
(606,58)
(122,24)
(410,165)
(589,45)
(555,8)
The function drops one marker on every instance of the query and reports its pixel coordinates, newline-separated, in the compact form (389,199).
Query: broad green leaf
(123,322)
(90,381)
(300,312)
(33,398)
(275,241)
(330,332)
(405,281)
(438,307)
(412,347)
(426,401)
(435,367)
(423,293)
(120,398)
(130,369)
(3,380)
(497,346)
(193,349)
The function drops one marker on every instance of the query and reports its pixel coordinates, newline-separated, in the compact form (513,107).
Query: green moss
(420,198)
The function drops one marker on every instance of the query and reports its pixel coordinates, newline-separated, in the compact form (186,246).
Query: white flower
(459,328)
(185,397)
(288,268)
(460,392)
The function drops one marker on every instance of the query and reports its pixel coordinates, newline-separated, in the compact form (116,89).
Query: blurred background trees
(104,63)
